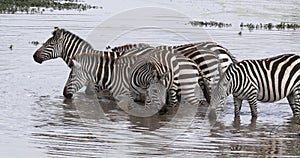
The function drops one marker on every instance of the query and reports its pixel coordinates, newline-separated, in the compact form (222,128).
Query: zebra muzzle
(66,93)
(37,58)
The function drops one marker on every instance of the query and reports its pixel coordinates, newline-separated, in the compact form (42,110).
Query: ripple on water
(61,131)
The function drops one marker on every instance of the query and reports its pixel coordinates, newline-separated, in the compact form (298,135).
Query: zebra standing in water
(94,68)
(183,75)
(118,83)
(265,80)
(99,68)
(64,44)
(212,59)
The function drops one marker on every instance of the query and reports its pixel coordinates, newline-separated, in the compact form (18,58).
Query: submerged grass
(38,6)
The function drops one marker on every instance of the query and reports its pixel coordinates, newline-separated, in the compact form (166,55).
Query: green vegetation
(34,43)
(209,24)
(35,6)
(249,26)
(270,26)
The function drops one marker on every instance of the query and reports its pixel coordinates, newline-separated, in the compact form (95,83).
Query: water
(36,120)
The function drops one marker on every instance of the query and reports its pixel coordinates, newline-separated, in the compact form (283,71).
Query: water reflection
(61,131)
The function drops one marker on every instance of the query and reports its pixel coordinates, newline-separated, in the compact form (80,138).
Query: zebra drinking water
(183,75)
(211,58)
(265,80)
(120,83)
(98,68)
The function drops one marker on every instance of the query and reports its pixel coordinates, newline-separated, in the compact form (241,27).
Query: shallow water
(36,120)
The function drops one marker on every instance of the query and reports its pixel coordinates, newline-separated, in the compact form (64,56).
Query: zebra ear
(55,30)
(57,33)
(76,64)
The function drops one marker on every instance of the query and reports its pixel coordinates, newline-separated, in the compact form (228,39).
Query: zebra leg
(237,106)
(294,101)
(173,97)
(253,106)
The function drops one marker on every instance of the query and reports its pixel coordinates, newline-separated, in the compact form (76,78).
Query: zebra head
(156,92)
(143,74)
(62,44)
(77,79)
(52,48)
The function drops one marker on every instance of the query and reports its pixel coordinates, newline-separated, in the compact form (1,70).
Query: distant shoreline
(40,6)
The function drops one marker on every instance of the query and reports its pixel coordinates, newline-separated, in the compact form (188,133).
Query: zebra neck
(69,53)
(105,72)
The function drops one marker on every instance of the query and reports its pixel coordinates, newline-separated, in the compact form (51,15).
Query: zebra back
(212,59)
(274,77)
(127,47)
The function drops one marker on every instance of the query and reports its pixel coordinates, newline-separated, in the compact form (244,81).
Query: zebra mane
(128,47)
(72,35)
(96,53)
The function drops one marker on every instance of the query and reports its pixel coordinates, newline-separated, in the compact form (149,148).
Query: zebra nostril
(66,94)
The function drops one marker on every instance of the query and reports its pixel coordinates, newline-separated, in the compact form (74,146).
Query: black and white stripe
(63,44)
(211,58)
(99,68)
(181,75)
(265,80)
(66,45)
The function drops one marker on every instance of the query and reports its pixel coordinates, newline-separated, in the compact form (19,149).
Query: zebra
(99,68)
(64,44)
(92,68)
(265,80)
(211,58)
(183,75)
(155,100)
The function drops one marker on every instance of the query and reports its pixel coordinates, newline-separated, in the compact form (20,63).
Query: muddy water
(36,120)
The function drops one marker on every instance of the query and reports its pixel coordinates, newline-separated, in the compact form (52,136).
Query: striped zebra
(92,68)
(64,44)
(265,80)
(155,100)
(99,68)
(182,75)
(212,59)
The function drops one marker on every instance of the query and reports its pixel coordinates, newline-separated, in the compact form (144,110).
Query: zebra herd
(172,74)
